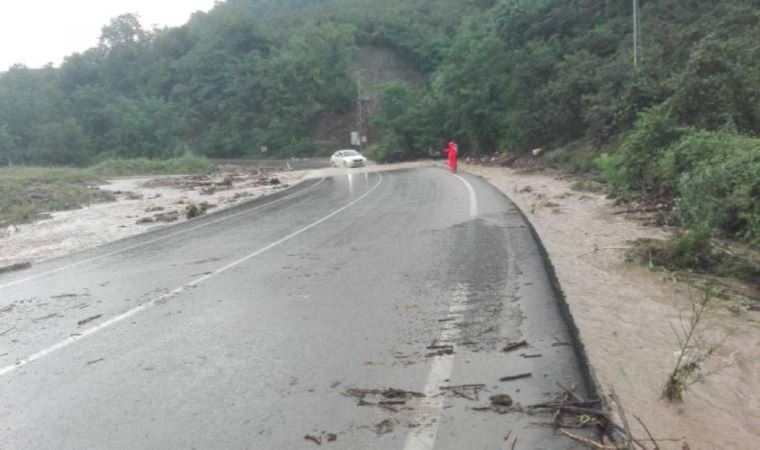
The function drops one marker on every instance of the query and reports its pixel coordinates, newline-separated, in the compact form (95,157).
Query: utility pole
(359,112)
(636,34)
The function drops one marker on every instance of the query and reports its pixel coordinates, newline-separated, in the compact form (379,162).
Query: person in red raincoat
(451,151)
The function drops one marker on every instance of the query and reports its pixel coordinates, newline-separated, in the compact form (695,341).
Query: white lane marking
(471,190)
(68,341)
(153,241)
(429,412)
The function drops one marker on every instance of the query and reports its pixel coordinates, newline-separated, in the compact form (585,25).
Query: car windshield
(351,153)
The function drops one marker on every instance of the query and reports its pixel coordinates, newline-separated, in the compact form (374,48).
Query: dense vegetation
(503,76)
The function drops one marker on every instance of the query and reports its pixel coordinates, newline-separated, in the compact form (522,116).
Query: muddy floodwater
(625,312)
(137,198)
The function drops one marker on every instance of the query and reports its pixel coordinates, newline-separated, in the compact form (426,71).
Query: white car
(348,158)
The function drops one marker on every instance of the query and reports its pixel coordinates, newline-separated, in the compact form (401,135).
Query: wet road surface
(258,326)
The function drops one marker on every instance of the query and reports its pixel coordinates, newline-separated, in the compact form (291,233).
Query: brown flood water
(625,312)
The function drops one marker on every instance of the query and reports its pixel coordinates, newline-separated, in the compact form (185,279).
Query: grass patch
(28,191)
(136,167)
(697,251)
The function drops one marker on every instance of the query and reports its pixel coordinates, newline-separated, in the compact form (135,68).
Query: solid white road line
(196,282)
(429,412)
(470,190)
(153,241)
(473,197)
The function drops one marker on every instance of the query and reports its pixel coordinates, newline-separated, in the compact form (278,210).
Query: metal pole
(636,34)
(359,108)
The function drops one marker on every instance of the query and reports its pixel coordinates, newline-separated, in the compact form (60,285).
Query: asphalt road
(255,327)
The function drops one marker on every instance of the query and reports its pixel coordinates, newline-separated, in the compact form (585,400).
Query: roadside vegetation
(26,192)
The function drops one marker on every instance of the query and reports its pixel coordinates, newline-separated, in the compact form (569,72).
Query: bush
(724,190)
(637,159)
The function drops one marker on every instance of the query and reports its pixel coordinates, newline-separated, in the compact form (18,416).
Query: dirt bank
(625,312)
(142,204)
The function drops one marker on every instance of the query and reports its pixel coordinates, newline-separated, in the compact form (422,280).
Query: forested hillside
(504,75)
(501,76)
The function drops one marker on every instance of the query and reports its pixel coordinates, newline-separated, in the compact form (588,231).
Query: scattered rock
(154,209)
(169,216)
(274,181)
(192,211)
(145,220)
(133,195)
(384,427)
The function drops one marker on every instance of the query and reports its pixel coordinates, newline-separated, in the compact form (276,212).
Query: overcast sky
(36,32)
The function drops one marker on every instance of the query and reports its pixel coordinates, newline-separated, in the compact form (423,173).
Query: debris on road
(384,427)
(94,361)
(516,377)
(313,439)
(322,437)
(15,267)
(468,391)
(89,319)
(515,346)
(388,399)
(501,400)
(443,351)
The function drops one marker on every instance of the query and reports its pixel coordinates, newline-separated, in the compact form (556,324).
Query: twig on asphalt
(516,377)
(514,346)
(571,393)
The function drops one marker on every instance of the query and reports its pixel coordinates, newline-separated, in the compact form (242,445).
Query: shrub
(724,190)
(642,149)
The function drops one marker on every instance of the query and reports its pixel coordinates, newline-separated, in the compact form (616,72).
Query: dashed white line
(153,241)
(429,413)
(168,295)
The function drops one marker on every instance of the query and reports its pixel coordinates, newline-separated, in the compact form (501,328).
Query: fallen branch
(516,377)
(587,442)
(623,417)
(651,438)
(514,346)
(604,248)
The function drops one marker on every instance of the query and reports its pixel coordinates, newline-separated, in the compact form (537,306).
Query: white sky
(36,32)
